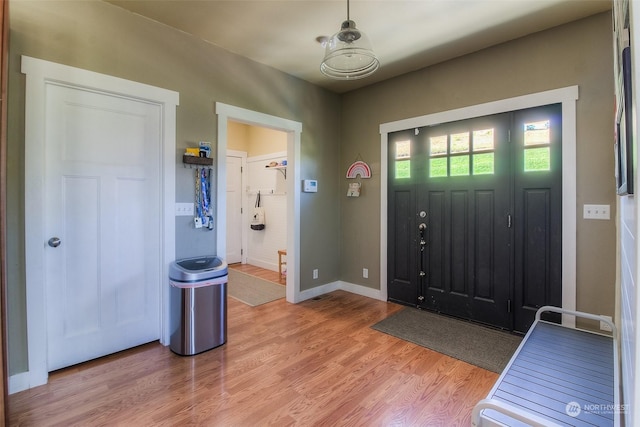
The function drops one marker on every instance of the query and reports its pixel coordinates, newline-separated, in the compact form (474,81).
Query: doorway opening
(256,174)
(293,130)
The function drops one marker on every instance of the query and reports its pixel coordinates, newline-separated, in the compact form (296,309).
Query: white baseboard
(344,286)
(23,381)
(362,290)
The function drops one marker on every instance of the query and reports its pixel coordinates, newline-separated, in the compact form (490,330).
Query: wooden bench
(558,376)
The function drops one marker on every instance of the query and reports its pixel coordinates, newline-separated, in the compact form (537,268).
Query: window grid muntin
(463,156)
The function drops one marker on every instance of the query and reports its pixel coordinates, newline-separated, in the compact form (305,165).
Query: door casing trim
(567,97)
(40,73)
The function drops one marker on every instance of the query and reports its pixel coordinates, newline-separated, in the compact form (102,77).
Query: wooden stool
(281,263)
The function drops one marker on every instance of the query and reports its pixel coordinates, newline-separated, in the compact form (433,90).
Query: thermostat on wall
(310,186)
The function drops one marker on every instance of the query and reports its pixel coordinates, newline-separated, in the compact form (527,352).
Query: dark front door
(467,225)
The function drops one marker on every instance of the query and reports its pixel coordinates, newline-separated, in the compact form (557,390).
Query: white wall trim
(341,286)
(362,290)
(39,74)
(567,97)
(19,382)
(293,129)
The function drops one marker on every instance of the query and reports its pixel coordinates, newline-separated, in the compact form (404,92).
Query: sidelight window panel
(403,160)
(403,149)
(403,169)
(536,133)
(537,159)
(537,153)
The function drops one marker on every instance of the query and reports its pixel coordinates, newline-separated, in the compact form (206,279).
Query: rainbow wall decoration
(359,168)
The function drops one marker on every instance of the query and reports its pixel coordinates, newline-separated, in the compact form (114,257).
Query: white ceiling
(406,35)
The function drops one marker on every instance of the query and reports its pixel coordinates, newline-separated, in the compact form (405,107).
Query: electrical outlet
(365,273)
(605,326)
(597,212)
(315,273)
(184,209)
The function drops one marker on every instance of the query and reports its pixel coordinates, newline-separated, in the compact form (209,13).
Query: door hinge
(509,223)
(241,251)
(509,136)
(508,306)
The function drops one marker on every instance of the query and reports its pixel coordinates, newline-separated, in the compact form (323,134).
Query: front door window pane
(438,167)
(459,165)
(483,140)
(483,164)
(459,143)
(438,145)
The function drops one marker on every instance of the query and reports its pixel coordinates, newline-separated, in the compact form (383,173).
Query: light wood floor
(272,276)
(307,364)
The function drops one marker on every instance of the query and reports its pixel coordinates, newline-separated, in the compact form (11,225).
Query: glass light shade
(348,54)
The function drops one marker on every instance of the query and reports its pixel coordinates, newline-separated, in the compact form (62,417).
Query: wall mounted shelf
(282,169)
(193,161)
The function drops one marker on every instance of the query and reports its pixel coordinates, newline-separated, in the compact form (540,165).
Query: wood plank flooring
(313,363)
(272,276)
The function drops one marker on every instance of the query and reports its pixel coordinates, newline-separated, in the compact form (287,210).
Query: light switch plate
(184,209)
(597,212)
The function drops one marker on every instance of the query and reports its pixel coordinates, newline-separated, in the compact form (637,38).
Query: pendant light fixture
(348,54)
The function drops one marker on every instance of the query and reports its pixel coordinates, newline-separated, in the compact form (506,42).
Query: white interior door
(103,198)
(234,209)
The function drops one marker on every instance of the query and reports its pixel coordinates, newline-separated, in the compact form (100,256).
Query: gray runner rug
(253,290)
(472,343)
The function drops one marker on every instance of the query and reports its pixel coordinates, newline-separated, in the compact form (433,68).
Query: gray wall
(100,37)
(578,53)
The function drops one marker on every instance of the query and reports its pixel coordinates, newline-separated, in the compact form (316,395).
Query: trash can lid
(197,268)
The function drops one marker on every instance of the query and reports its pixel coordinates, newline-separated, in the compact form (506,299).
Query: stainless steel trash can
(198,320)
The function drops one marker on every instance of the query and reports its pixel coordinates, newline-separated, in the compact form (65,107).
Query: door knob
(54,242)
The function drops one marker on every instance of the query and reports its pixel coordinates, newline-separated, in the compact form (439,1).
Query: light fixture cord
(347,10)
